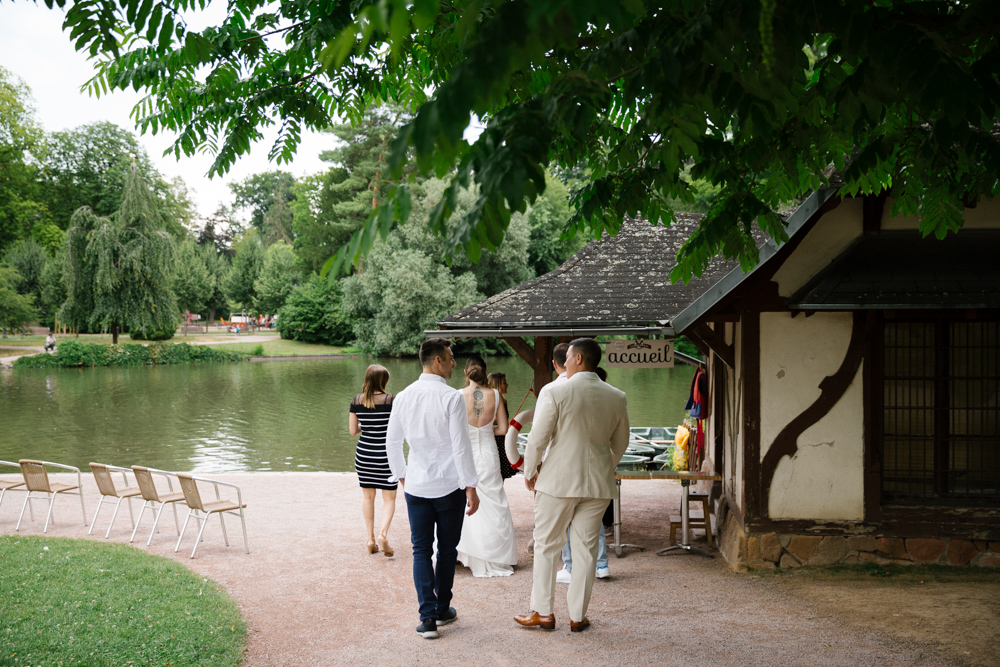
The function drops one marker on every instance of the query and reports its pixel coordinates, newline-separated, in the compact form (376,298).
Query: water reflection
(274,416)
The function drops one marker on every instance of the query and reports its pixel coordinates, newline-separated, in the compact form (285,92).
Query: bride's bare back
(479,405)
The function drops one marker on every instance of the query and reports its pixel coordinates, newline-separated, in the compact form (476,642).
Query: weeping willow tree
(118,267)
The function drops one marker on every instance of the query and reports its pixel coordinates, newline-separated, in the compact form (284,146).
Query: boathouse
(855,383)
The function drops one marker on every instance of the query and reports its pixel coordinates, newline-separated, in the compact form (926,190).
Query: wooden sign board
(639,354)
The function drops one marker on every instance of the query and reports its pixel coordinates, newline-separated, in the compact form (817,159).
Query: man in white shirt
(439,481)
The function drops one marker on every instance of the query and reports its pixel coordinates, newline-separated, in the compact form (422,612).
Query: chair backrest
(144,479)
(35,476)
(102,476)
(190,489)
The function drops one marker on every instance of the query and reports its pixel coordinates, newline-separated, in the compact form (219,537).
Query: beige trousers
(552,516)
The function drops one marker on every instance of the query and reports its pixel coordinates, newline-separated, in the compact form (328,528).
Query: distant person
(50,343)
(369,417)
(488,546)
(583,423)
(439,480)
(498,381)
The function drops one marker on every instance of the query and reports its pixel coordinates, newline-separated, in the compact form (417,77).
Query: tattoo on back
(477,402)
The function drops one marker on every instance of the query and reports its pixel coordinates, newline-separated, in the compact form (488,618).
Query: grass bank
(72,354)
(78,602)
(281,348)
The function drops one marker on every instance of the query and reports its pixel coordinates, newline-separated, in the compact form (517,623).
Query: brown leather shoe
(535,620)
(579,627)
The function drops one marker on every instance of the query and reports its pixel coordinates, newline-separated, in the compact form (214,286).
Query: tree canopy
(760,98)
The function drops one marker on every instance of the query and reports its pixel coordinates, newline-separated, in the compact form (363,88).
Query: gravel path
(313,596)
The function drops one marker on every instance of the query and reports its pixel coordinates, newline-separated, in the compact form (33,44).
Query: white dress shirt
(431,417)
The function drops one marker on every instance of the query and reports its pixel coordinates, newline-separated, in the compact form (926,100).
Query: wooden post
(543,362)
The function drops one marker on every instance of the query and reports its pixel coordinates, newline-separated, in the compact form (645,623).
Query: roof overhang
(703,304)
(581,330)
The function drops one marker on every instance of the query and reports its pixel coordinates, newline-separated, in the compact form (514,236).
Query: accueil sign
(639,354)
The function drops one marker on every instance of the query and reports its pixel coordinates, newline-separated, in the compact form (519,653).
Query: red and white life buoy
(510,442)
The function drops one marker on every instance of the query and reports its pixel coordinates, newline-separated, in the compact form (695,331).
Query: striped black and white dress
(370,459)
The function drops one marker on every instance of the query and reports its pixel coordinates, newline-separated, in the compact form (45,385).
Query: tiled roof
(619,280)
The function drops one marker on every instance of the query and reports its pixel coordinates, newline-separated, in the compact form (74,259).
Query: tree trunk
(114,334)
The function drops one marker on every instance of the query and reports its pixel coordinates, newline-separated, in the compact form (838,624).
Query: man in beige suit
(584,424)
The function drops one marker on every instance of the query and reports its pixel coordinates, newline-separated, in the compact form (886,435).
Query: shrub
(166,333)
(73,353)
(257,351)
(313,314)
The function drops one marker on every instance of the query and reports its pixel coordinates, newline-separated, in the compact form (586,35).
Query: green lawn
(79,602)
(284,348)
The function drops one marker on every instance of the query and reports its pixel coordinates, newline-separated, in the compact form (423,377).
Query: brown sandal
(383,544)
(372,547)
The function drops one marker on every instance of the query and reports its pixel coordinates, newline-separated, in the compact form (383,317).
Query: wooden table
(686,478)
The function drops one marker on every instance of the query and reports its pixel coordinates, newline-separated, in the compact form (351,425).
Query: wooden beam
(543,362)
(522,348)
(723,317)
(703,332)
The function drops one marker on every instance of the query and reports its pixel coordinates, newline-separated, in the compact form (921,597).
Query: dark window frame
(944,486)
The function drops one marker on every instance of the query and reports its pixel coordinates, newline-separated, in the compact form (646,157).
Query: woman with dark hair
(370,417)
(488,546)
(498,381)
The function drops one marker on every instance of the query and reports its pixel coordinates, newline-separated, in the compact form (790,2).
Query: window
(940,431)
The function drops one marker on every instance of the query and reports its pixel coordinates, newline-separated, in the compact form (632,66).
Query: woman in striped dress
(370,417)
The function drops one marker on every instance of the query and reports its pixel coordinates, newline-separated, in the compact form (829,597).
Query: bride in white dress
(488,546)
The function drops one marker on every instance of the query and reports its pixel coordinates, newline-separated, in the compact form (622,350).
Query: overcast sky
(34,47)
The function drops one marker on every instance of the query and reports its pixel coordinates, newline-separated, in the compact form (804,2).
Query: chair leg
(94,522)
(131,516)
(223,522)
(204,522)
(27,497)
(135,526)
(156,521)
(83,507)
(49,516)
(246,544)
(113,517)
(177,525)
(181,536)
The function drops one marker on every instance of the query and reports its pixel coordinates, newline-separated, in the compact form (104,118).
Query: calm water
(283,415)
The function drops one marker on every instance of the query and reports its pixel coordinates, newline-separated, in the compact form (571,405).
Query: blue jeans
(447,513)
(602,552)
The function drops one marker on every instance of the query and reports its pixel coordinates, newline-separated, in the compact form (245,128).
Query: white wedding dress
(488,546)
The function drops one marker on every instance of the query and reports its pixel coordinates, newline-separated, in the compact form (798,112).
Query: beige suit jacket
(584,423)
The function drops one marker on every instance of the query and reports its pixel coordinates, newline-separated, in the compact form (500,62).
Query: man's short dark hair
(559,354)
(432,347)
(590,351)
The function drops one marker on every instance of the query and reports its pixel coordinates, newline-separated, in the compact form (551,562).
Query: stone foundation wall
(764,551)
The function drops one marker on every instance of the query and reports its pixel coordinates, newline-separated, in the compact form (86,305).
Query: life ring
(510,442)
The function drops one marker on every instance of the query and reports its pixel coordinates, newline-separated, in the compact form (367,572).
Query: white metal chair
(189,485)
(10,484)
(106,485)
(151,497)
(36,480)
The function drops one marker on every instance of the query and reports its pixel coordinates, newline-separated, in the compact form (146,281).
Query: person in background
(439,480)
(50,343)
(498,381)
(369,418)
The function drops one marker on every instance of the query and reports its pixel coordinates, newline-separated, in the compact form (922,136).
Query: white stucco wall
(832,235)
(986,215)
(824,480)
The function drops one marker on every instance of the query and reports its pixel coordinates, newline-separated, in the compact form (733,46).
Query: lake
(268,416)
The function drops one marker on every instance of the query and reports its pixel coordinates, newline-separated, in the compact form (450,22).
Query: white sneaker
(603,573)
(563,576)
